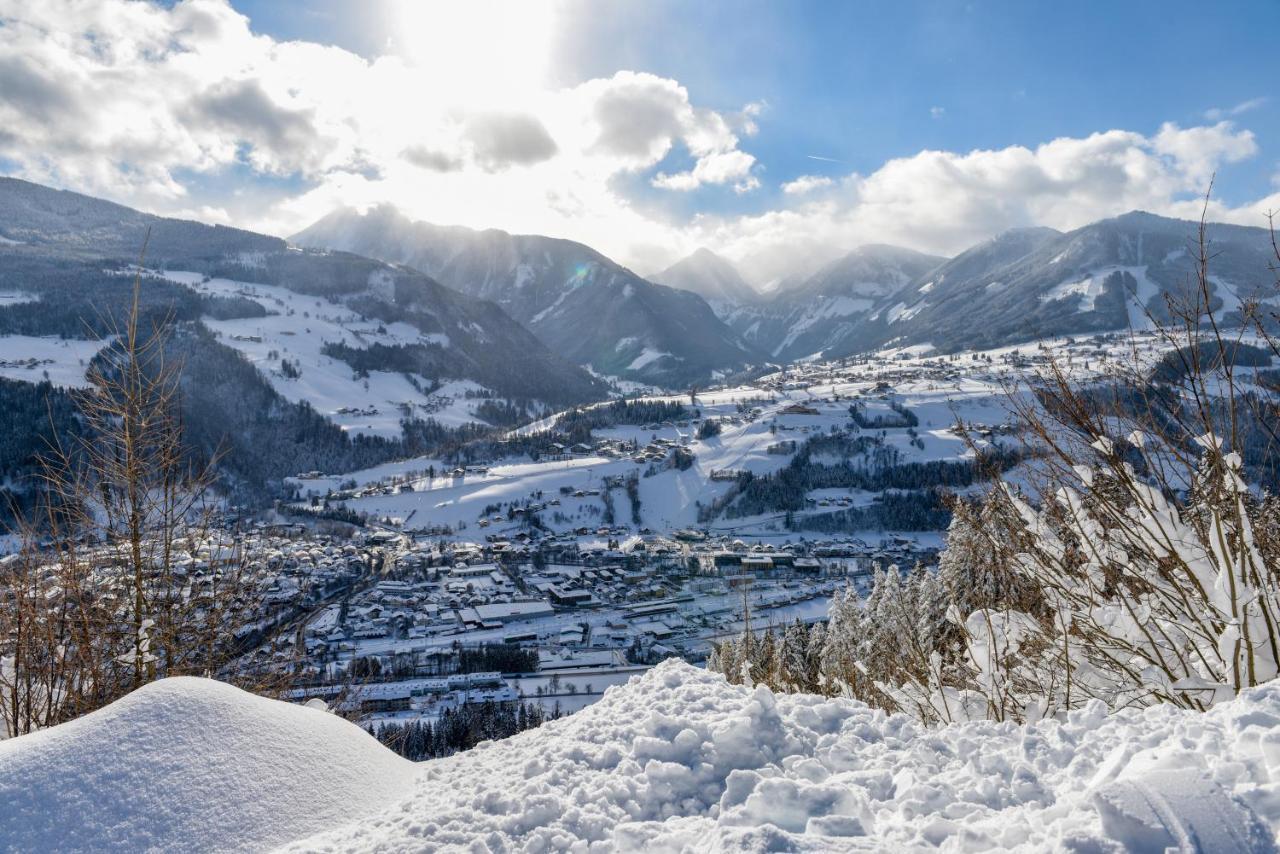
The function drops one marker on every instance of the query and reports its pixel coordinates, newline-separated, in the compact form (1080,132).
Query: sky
(779,134)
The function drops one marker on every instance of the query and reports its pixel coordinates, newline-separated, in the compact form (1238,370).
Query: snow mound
(678,760)
(190,764)
(675,760)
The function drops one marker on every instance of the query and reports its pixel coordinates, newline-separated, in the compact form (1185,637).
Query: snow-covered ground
(61,361)
(674,760)
(191,765)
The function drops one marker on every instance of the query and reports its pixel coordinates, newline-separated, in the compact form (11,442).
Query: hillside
(585,307)
(674,760)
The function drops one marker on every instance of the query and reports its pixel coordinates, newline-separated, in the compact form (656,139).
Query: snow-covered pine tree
(763,659)
(792,666)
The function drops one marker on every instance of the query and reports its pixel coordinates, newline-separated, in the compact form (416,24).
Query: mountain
(461,337)
(1026,284)
(1021,285)
(585,307)
(293,360)
(711,277)
(825,312)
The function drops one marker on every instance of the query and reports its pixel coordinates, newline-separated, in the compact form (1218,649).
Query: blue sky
(769,131)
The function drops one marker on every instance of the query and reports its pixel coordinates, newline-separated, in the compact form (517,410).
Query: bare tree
(121,577)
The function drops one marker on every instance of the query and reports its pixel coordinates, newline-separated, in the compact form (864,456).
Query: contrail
(828,159)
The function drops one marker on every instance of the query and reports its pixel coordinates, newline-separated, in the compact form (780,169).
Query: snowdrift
(676,760)
(191,764)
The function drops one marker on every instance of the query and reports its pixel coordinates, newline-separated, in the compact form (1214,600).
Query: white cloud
(1198,151)
(806,184)
(454,123)
(717,167)
(944,202)
(937,112)
(1215,114)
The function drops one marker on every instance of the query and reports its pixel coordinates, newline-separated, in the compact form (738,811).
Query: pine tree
(792,663)
(763,660)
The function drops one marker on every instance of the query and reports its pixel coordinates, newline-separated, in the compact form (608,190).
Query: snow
(646,357)
(676,759)
(298,326)
(900,311)
(679,760)
(16,297)
(30,358)
(1093,285)
(191,764)
(1088,289)
(824,308)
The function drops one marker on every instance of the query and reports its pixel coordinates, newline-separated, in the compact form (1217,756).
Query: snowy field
(61,361)
(675,760)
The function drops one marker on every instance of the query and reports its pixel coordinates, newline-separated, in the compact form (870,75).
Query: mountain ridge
(586,307)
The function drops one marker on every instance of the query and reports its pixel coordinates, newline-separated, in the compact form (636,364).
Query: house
(572,597)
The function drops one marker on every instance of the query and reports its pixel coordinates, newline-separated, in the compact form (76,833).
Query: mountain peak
(710,276)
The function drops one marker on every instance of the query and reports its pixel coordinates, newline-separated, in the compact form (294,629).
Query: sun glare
(490,49)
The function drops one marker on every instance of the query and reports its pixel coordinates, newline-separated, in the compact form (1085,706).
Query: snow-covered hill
(1019,286)
(582,305)
(675,760)
(457,337)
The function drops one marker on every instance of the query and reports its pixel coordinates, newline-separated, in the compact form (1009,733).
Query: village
(392,617)
(550,577)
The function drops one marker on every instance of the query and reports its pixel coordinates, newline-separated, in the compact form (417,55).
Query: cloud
(943,202)
(152,104)
(718,167)
(639,116)
(1215,114)
(184,110)
(24,89)
(937,112)
(1197,151)
(281,139)
(806,184)
(509,139)
(435,161)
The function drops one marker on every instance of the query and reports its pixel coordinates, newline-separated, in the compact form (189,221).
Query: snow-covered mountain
(675,760)
(458,337)
(584,306)
(711,277)
(292,360)
(1021,285)
(1033,283)
(824,312)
